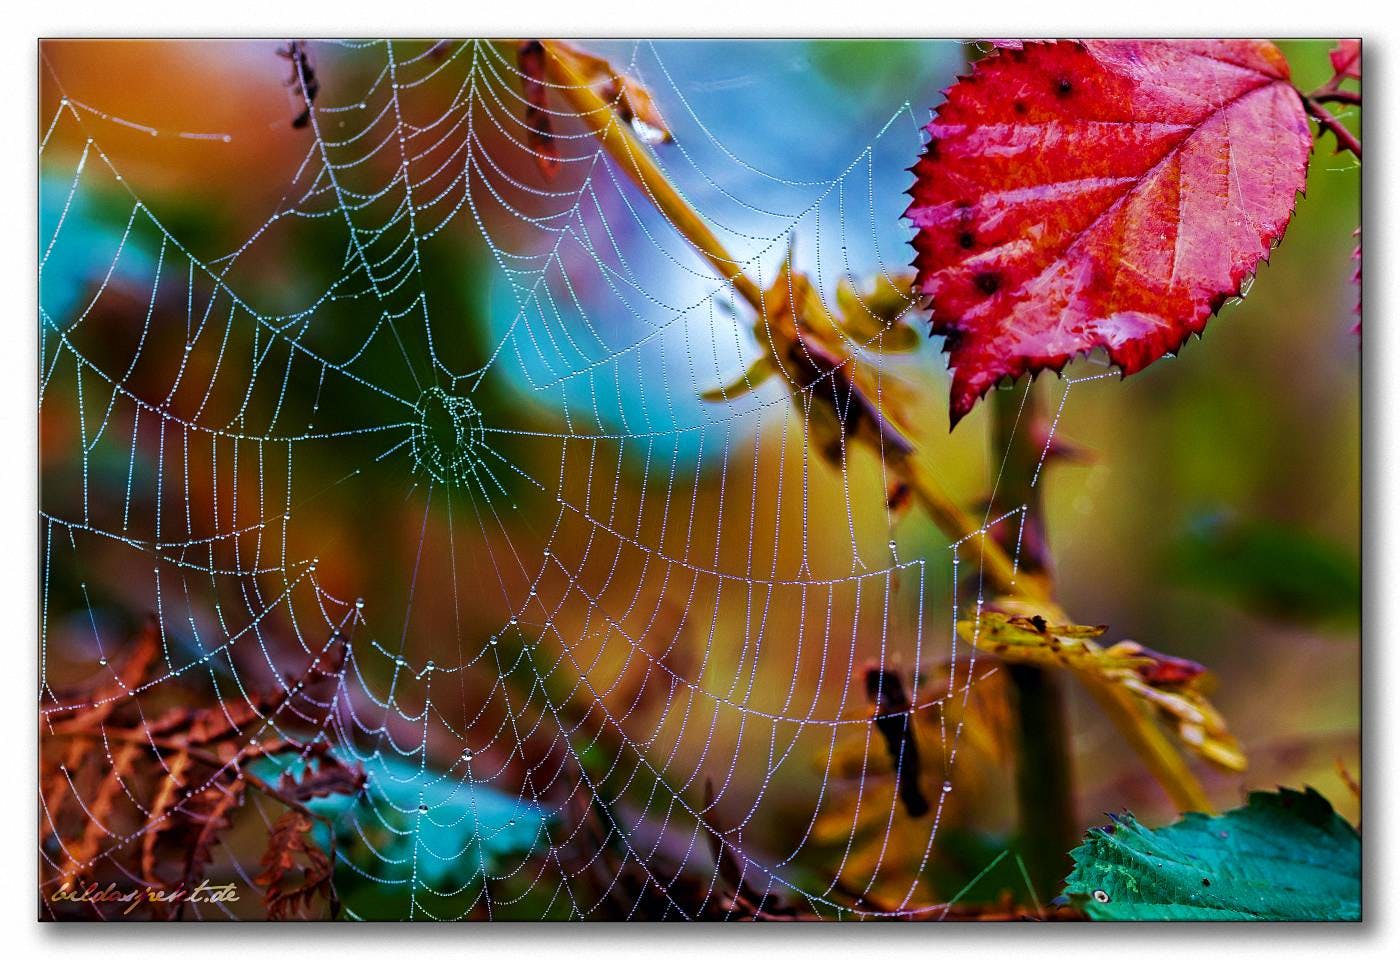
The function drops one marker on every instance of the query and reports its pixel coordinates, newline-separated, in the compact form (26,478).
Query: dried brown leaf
(295,869)
(173,784)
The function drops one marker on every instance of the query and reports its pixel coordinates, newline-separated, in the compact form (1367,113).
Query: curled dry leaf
(1172,688)
(302,79)
(800,327)
(1109,194)
(295,868)
(867,826)
(539,128)
(895,721)
(632,101)
(329,777)
(540,63)
(842,398)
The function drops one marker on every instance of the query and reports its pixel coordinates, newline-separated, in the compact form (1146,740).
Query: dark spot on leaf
(989,282)
(1205,881)
(966,240)
(1039,623)
(1063,87)
(1019,106)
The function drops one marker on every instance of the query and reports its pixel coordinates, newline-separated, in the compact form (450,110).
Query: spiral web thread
(633,624)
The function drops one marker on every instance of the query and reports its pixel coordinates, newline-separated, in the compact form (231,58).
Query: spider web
(604,641)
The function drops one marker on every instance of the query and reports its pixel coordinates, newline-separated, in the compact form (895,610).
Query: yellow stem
(955,523)
(637,164)
(633,159)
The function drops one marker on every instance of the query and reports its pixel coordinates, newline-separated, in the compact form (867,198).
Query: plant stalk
(1327,122)
(1047,826)
(1046,818)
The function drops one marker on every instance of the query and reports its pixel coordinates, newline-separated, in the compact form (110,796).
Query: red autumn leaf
(1106,194)
(1346,59)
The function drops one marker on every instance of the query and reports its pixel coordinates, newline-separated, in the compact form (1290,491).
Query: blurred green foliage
(1273,569)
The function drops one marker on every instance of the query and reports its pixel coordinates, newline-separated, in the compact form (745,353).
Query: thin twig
(1346,140)
(1349,97)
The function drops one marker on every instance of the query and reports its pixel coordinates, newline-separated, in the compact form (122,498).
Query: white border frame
(738,18)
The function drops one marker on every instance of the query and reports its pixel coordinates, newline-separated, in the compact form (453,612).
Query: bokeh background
(1217,516)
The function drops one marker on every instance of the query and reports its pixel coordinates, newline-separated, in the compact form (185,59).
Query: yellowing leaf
(830,387)
(758,371)
(1169,688)
(875,318)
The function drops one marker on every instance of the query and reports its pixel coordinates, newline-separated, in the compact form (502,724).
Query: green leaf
(1284,856)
